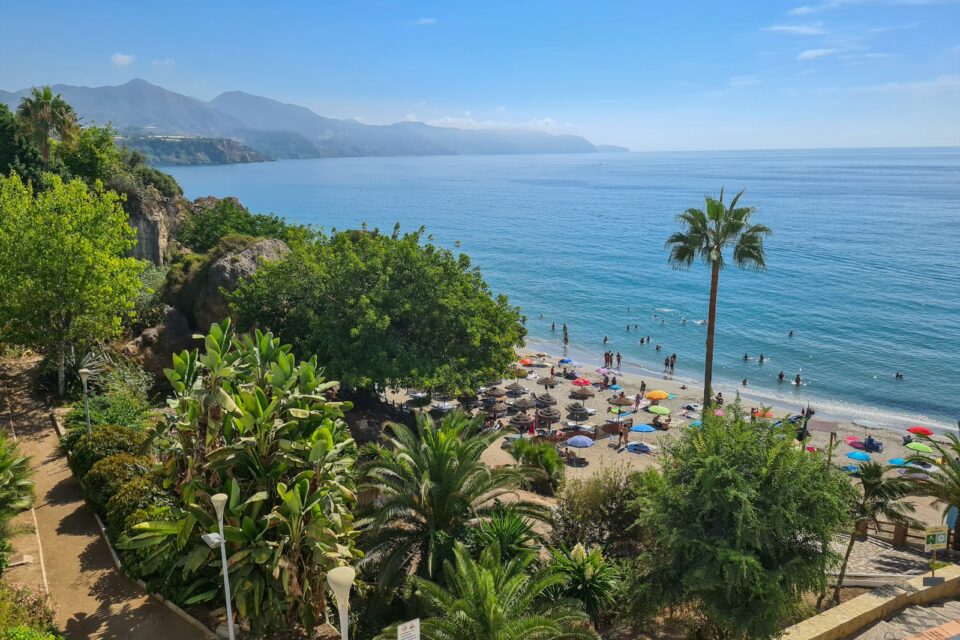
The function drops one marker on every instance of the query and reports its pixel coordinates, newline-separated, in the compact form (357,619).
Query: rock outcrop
(156,219)
(155,346)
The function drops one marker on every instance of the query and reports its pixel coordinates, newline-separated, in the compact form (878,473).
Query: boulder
(155,346)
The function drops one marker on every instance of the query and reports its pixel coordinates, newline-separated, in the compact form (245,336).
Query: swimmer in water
(898,376)
(553,325)
(746,357)
(605,339)
(744,383)
(790,335)
(797,380)
(780,377)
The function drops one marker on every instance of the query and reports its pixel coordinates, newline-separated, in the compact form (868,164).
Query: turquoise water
(862,265)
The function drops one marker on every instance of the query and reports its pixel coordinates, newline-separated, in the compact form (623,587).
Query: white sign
(409,630)
(935,538)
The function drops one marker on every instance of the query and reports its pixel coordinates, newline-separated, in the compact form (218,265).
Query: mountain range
(141,110)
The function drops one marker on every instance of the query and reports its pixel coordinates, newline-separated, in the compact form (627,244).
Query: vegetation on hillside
(16,493)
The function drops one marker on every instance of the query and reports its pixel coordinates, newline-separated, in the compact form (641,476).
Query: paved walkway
(914,621)
(94,600)
(874,556)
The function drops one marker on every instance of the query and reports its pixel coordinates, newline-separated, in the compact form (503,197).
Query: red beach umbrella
(581,382)
(920,431)
(527,362)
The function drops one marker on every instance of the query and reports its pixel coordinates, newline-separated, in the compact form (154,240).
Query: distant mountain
(180,150)
(279,130)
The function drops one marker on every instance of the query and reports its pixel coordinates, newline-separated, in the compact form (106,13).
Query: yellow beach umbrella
(657,394)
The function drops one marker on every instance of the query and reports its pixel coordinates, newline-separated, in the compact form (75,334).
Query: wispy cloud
(122,59)
(797,29)
(743,81)
(164,63)
(424,22)
(467,121)
(813,54)
(806,10)
(939,84)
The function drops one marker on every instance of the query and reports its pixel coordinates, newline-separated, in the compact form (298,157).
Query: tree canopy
(741,525)
(385,310)
(64,277)
(202,231)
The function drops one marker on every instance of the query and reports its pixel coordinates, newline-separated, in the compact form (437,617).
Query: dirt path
(94,600)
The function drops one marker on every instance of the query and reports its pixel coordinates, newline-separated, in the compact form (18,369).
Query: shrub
(26,633)
(203,230)
(544,459)
(136,495)
(107,476)
(121,408)
(16,492)
(106,440)
(23,607)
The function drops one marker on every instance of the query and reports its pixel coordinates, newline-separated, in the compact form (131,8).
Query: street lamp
(340,580)
(214,540)
(84,376)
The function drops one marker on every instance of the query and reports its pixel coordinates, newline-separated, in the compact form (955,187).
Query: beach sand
(603,454)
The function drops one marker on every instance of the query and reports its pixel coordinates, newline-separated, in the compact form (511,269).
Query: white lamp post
(340,580)
(219,502)
(84,376)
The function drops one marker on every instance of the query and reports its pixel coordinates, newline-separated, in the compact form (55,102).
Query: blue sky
(651,75)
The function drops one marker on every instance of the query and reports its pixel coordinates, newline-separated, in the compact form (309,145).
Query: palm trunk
(843,567)
(711,326)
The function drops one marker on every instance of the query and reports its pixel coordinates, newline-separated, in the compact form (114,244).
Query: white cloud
(743,81)
(801,11)
(122,59)
(164,63)
(424,22)
(834,4)
(797,29)
(813,54)
(937,85)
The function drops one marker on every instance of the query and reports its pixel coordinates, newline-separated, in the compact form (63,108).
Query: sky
(651,75)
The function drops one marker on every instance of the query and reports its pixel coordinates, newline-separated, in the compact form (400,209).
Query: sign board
(409,630)
(935,538)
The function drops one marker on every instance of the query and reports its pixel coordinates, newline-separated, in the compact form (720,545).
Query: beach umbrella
(578,415)
(696,424)
(547,399)
(494,392)
(526,362)
(497,409)
(897,461)
(603,371)
(657,394)
(549,414)
(521,420)
(525,403)
(548,382)
(657,409)
(582,392)
(851,439)
(581,382)
(919,446)
(852,469)
(621,401)
(920,431)
(643,428)
(615,387)
(718,413)
(579,442)
(565,361)
(516,387)
(858,455)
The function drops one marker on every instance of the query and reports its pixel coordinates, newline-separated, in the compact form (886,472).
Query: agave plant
(489,599)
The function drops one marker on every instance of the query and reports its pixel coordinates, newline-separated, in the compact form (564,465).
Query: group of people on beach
(609,358)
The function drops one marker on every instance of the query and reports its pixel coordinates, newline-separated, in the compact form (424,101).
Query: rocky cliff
(156,219)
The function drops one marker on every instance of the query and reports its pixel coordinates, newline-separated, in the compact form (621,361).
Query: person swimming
(790,335)
(762,358)
(744,383)
(606,339)
(780,377)
(746,357)
(797,380)
(898,376)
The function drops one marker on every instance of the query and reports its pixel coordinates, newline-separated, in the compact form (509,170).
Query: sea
(862,265)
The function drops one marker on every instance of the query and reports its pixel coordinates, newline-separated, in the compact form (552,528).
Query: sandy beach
(605,454)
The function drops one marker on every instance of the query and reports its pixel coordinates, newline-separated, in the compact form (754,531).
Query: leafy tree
(943,486)
(488,599)
(741,525)
(252,421)
(64,277)
(589,578)
(430,487)
(705,236)
(386,310)
(17,154)
(46,115)
(877,496)
(91,154)
(202,231)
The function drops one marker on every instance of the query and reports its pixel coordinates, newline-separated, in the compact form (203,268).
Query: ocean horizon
(861,267)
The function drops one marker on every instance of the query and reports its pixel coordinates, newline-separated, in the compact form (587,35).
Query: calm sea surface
(862,266)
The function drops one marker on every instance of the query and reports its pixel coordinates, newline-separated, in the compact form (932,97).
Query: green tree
(64,277)
(877,496)
(706,234)
(488,599)
(385,310)
(589,578)
(513,534)
(543,460)
(741,525)
(430,486)
(17,154)
(46,115)
(943,486)
(91,154)
(202,231)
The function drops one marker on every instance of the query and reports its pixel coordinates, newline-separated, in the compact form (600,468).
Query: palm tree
(45,115)
(943,487)
(877,497)
(510,531)
(589,579)
(705,236)
(430,487)
(492,600)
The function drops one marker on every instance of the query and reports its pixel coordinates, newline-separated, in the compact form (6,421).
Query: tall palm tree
(943,487)
(45,115)
(705,236)
(430,487)
(494,600)
(877,496)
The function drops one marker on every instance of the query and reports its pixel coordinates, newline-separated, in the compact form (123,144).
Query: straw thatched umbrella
(497,409)
(549,414)
(582,393)
(546,399)
(521,420)
(516,388)
(621,401)
(525,403)
(548,382)
(494,392)
(468,400)
(577,411)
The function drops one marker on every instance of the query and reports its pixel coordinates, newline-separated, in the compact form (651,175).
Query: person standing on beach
(673,361)
(643,387)
(666,363)
(619,359)
(636,402)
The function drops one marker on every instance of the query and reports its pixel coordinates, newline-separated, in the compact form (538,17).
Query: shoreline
(856,416)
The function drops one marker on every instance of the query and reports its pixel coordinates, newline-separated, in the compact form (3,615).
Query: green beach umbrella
(919,446)
(660,411)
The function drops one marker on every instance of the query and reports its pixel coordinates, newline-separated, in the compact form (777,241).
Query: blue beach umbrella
(643,428)
(852,468)
(858,455)
(696,423)
(897,461)
(615,387)
(580,442)
(566,361)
